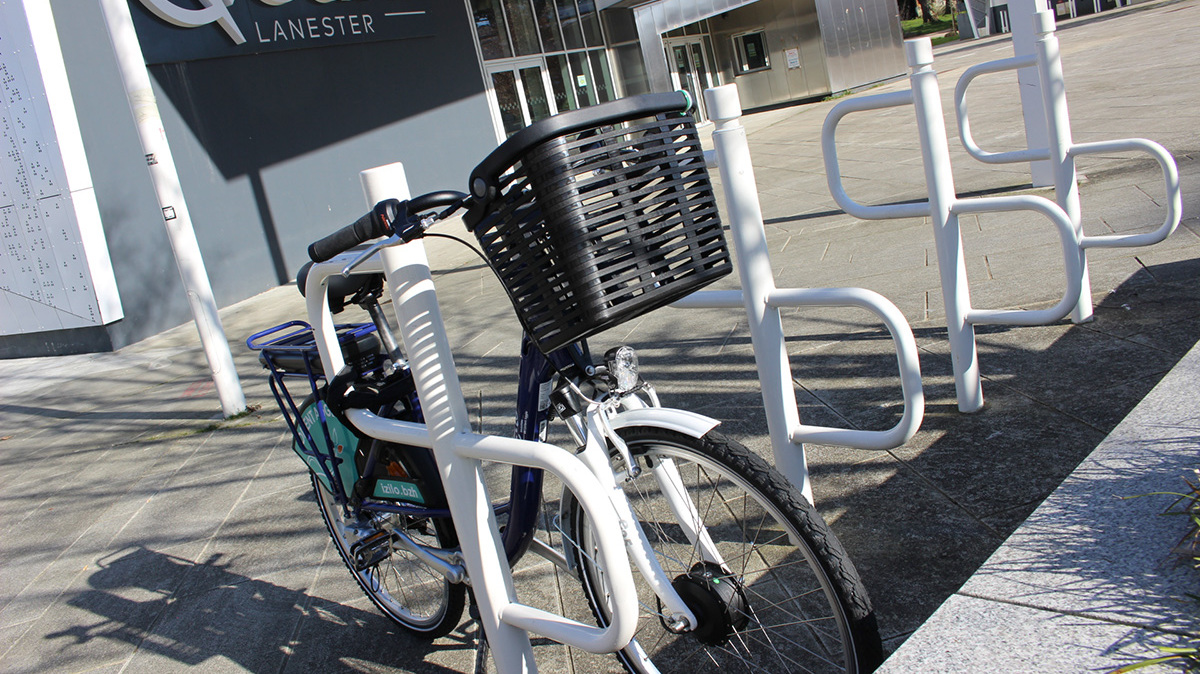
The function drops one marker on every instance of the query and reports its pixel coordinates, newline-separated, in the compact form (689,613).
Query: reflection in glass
(698,66)
(547,21)
(591,23)
(521,25)
(569,17)
(535,94)
(603,83)
(505,85)
(680,59)
(560,83)
(584,91)
(489,26)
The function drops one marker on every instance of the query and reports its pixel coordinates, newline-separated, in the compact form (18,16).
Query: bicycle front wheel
(773,589)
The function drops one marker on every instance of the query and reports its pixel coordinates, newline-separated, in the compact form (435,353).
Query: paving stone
(133,537)
(1010,638)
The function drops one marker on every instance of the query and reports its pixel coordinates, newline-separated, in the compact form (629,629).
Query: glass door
(689,70)
(520,92)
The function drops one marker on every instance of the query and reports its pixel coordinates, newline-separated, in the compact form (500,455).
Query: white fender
(681,421)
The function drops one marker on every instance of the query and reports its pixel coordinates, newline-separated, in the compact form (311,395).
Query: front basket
(594,226)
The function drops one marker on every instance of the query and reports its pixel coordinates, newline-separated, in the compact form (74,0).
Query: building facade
(980,18)
(272,107)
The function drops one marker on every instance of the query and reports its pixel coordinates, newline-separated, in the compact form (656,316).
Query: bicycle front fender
(680,421)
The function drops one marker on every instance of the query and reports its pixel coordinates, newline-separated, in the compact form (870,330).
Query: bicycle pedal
(371,550)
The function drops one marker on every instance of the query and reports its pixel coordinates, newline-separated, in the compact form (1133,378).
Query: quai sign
(188,30)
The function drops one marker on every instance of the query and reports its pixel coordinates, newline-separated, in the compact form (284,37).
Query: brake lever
(370,252)
(413,229)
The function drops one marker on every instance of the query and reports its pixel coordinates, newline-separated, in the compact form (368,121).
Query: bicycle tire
(408,592)
(810,614)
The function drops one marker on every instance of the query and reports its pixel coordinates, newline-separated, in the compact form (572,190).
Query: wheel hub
(717,600)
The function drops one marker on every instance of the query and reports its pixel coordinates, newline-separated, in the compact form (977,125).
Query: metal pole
(754,270)
(939,178)
(426,344)
(1066,187)
(178,222)
(1020,20)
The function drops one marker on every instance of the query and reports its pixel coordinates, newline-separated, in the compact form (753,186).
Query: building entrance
(690,69)
(521,93)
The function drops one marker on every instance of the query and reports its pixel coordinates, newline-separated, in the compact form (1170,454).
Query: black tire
(417,598)
(414,596)
(797,603)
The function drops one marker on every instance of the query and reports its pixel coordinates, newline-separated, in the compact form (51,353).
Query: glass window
(591,23)
(568,15)
(619,25)
(699,66)
(547,21)
(535,94)
(522,27)
(561,83)
(489,26)
(708,49)
(751,50)
(604,88)
(505,85)
(632,69)
(584,91)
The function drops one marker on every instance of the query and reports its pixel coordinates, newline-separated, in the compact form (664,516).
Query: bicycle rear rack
(289,352)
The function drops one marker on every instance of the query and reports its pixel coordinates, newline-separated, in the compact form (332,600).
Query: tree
(926,14)
(908,10)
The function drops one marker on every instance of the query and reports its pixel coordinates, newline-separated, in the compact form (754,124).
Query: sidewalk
(138,532)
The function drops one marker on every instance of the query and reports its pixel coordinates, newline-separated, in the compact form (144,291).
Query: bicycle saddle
(343,290)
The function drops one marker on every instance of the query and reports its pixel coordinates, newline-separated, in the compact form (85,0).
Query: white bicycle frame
(459,454)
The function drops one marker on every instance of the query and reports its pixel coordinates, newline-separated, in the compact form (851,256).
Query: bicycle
(589,218)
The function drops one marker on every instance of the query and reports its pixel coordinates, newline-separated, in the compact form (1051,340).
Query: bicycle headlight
(622,363)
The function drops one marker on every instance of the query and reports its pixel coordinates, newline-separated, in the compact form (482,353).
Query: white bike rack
(1061,151)
(762,302)
(459,454)
(943,208)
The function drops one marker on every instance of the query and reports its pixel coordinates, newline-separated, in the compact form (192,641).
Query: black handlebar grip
(373,225)
(433,200)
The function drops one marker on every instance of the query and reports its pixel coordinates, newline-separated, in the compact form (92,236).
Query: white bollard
(1058,126)
(939,178)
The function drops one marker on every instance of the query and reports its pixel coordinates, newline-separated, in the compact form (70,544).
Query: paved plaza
(140,533)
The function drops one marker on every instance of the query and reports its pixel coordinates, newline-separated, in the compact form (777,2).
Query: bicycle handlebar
(373,225)
(388,217)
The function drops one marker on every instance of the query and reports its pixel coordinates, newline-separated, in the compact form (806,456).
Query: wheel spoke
(407,591)
(793,621)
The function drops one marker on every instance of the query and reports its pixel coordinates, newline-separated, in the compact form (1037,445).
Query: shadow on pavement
(262,627)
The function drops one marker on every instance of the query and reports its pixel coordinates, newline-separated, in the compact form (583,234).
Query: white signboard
(793,58)
(55,273)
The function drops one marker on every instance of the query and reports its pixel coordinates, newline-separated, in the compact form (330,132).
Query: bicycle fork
(596,433)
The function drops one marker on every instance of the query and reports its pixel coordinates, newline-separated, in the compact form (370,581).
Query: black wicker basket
(597,216)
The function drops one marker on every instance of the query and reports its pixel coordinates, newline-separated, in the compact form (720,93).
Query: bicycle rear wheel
(413,595)
(410,593)
(784,596)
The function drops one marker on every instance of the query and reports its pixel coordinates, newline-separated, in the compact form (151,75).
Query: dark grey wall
(268,149)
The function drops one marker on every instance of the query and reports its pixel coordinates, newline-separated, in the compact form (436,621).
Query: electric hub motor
(717,600)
